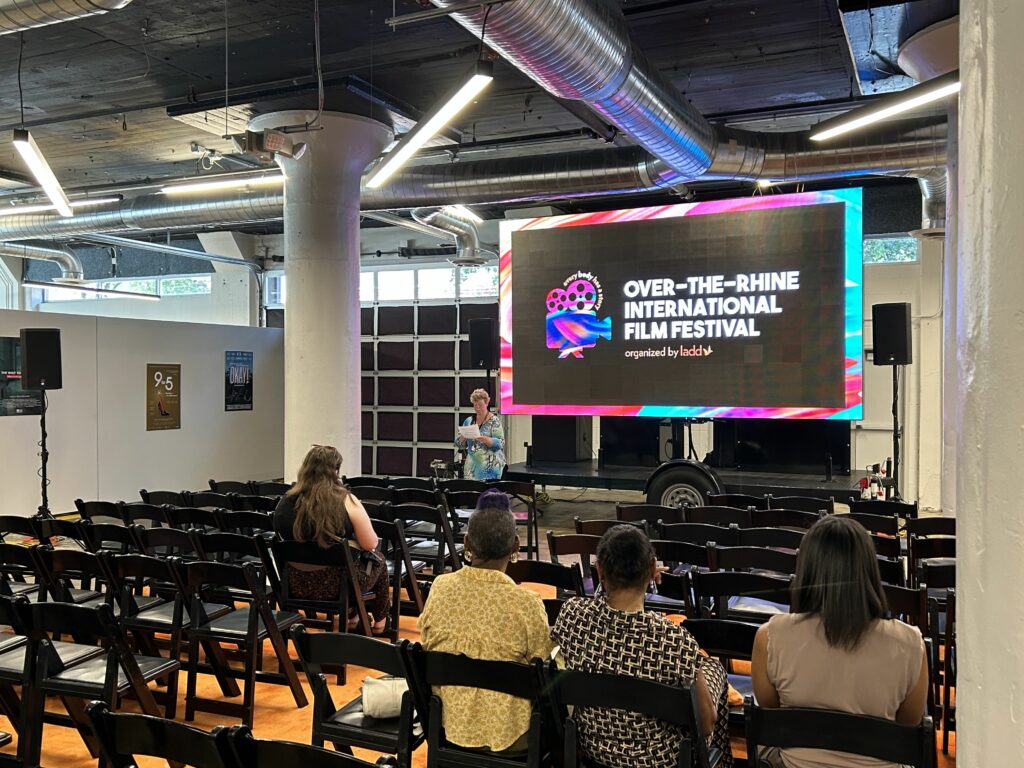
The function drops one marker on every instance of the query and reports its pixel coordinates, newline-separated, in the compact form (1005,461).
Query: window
(186,286)
(436,283)
(396,285)
(275,289)
(366,287)
(890,250)
(475,282)
(135,285)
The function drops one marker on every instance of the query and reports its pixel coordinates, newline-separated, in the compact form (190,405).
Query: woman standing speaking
(485,457)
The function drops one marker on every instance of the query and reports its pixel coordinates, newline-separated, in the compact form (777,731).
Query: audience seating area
(111,606)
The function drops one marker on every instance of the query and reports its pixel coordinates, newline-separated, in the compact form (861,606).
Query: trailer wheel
(680,485)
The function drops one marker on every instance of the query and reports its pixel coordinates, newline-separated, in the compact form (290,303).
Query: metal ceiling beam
(188,253)
(437,13)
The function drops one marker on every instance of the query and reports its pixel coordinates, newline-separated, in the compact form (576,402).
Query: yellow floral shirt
(485,615)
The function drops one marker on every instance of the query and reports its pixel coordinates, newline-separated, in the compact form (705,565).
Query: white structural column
(321,248)
(950,371)
(990,333)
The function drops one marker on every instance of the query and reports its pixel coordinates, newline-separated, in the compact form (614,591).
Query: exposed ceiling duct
(18,15)
(71,269)
(467,240)
(933,203)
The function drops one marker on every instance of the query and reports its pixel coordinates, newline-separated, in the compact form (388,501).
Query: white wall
(99,447)
(231,301)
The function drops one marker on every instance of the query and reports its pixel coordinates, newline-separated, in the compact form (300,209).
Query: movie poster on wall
(163,396)
(237,381)
(15,401)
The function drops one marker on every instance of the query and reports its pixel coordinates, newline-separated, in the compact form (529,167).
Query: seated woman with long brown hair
(320,508)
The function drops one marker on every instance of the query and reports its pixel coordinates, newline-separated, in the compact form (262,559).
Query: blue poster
(238,381)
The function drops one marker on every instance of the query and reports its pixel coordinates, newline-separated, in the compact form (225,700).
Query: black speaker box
(40,358)
(562,438)
(483,343)
(891,334)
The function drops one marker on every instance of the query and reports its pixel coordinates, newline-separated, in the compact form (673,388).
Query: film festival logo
(572,321)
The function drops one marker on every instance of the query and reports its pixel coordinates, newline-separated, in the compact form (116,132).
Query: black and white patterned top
(594,637)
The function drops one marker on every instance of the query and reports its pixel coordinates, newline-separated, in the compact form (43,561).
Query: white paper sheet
(472,432)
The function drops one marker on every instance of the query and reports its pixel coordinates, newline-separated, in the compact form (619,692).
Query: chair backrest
(164,542)
(887,546)
(59,568)
(724,638)
(415,496)
(461,499)
(673,553)
(568,544)
(366,481)
(245,521)
(886,525)
(779,538)
(187,518)
(210,499)
(783,518)
(741,500)
(373,493)
(256,503)
(19,526)
(99,537)
(214,545)
(652,513)
(100,511)
(11,612)
(319,649)
(937,575)
(461,484)
(147,515)
(892,571)
(122,737)
(701,533)
(406,483)
(310,553)
(594,527)
(436,515)
(175,498)
(718,515)
(875,737)
(931,526)
(16,562)
(910,605)
(86,624)
(520,490)
(921,550)
(754,558)
(903,509)
(50,527)
(672,704)
(568,578)
(250,752)
(725,584)
(803,503)
(269,487)
(230,486)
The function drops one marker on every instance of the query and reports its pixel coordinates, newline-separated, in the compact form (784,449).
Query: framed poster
(238,381)
(163,396)
(15,401)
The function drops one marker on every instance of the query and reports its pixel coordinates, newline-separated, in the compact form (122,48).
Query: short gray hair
(479,394)
(492,531)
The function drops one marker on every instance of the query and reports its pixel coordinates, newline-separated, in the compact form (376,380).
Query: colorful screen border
(854,315)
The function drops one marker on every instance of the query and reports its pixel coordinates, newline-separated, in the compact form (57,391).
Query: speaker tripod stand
(44,455)
(897,432)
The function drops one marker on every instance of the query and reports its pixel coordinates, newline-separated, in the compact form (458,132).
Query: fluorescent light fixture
(212,185)
(29,151)
(90,289)
(461,210)
(890,106)
(425,129)
(43,207)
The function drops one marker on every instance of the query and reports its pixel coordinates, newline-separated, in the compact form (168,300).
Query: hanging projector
(268,143)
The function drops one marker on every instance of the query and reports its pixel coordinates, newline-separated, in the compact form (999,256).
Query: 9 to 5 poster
(238,381)
(163,396)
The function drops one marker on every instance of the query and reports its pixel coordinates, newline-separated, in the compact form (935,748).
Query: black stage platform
(585,474)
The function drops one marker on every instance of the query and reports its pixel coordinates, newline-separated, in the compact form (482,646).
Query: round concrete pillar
(321,265)
(990,431)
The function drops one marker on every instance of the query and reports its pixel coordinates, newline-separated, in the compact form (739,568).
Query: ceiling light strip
(33,157)
(90,289)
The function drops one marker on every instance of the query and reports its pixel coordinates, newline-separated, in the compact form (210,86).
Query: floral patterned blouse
(484,462)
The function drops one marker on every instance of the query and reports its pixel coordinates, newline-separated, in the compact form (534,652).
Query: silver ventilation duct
(71,269)
(467,240)
(399,221)
(18,15)
(933,203)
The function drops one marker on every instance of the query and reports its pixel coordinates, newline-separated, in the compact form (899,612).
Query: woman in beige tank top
(836,650)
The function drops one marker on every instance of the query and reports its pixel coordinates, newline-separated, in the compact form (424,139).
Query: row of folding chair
(266,502)
(123,738)
(744,517)
(250,487)
(555,695)
(744,500)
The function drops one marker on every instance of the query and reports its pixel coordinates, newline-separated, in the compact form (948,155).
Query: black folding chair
(728,641)
(60,569)
(305,555)
(15,526)
(595,527)
(107,537)
(777,538)
(902,509)
(750,597)
(269,487)
(803,503)
(566,579)
(718,515)
(230,486)
(783,518)
(245,521)
(254,502)
(174,498)
(440,548)
(426,670)
(418,483)
(582,546)
(146,515)
(700,533)
(874,737)
(101,511)
(366,481)
(416,496)
(348,726)
(525,493)
(755,560)
(248,628)
(402,569)
(883,525)
(124,737)
(50,528)
(461,484)
(189,518)
(676,705)
(19,573)
(210,499)
(739,500)
(373,493)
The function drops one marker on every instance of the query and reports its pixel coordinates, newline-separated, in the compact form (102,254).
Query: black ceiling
(95,91)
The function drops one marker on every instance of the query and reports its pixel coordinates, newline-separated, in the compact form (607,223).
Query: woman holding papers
(482,439)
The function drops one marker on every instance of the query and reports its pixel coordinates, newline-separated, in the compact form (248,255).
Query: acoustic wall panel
(394,391)
(436,391)
(366,355)
(436,320)
(436,356)
(397,321)
(394,356)
(394,426)
(394,461)
(366,321)
(469,312)
(435,427)
(367,425)
(368,398)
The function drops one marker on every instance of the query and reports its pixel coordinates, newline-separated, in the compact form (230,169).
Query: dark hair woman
(612,633)
(480,612)
(319,508)
(836,650)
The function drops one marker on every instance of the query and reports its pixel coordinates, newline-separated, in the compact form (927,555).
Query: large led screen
(745,308)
